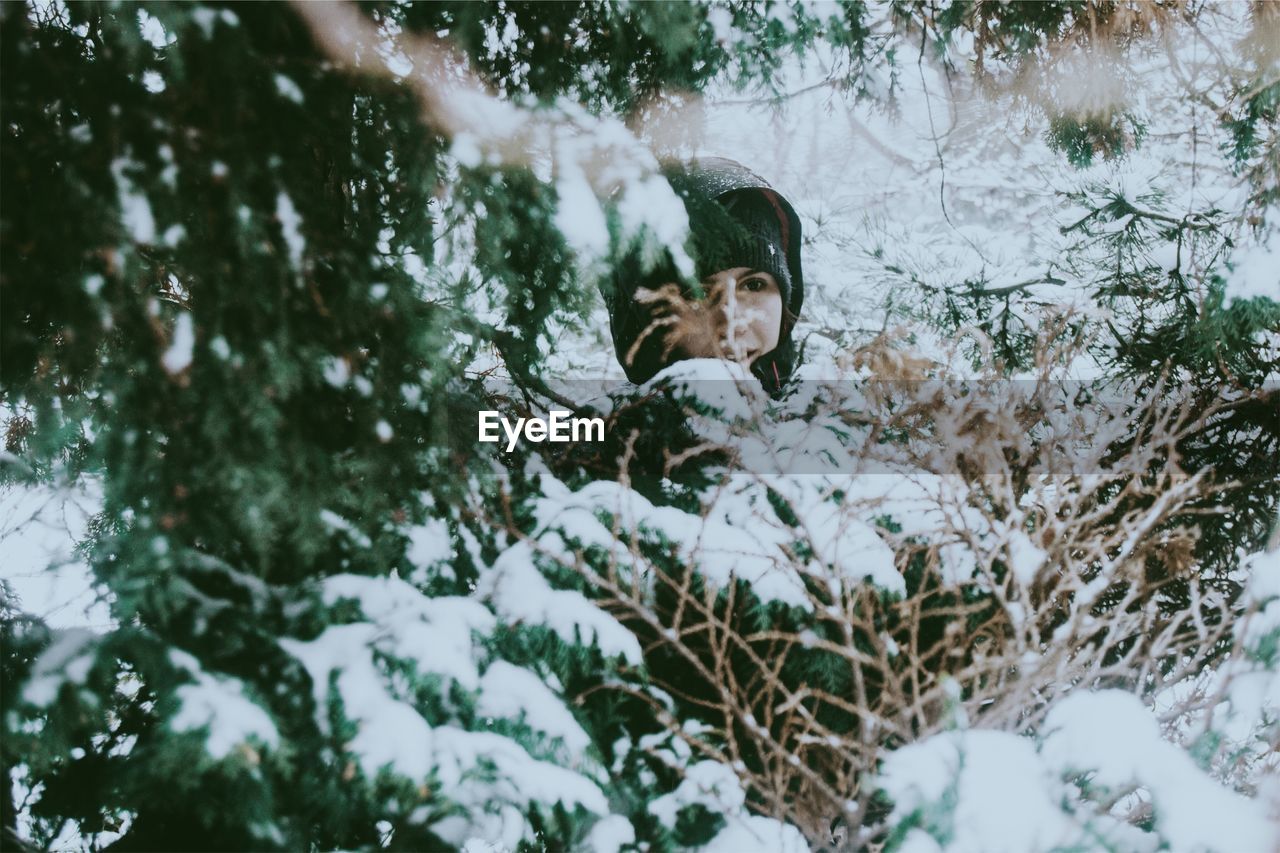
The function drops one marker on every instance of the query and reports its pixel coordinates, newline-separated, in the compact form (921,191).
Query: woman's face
(739,318)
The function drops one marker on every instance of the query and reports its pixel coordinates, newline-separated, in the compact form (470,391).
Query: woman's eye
(755,285)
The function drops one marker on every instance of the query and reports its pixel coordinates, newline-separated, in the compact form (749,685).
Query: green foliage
(520,250)
(696,825)
(230,291)
(1081,139)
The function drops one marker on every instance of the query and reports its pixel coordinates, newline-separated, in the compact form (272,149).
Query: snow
(435,634)
(610,835)
(479,845)
(205,19)
(1255,271)
(1165,256)
(519,780)
(739,534)
(1025,558)
(743,833)
(489,119)
(716,787)
(492,776)
(721,19)
(522,779)
(336,371)
(466,150)
(153,31)
(982,790)
(1111,735)
(390,733)
(333,521)
(1004,799)
(1248,716)
(999,790)
(1263,570)
(288,89)
(398,63)
(725,386)
(429,543)
(135,209)
(707,783)
(173,235)
(513,692)
(649,207)
(219,704)
(67,660)
(579,217)
(850,546)
(864,178)
(40,527)
(520,593)
(919,841)
(290,227)
(177,357)
(784,14)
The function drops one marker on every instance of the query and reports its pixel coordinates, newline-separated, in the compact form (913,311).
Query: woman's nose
(721,321)
(727,305)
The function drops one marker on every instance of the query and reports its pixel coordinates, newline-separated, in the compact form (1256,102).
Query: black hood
(718,194)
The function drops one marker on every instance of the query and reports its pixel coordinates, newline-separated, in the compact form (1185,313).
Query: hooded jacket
(735,219)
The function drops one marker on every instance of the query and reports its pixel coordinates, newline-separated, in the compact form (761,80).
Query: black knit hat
(735,220)
(753,236)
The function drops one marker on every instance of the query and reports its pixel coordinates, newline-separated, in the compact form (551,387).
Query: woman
(746,245)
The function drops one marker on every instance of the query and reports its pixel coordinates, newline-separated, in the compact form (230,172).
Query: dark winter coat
(725,202)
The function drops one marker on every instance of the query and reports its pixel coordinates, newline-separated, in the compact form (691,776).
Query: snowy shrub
(986,569)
